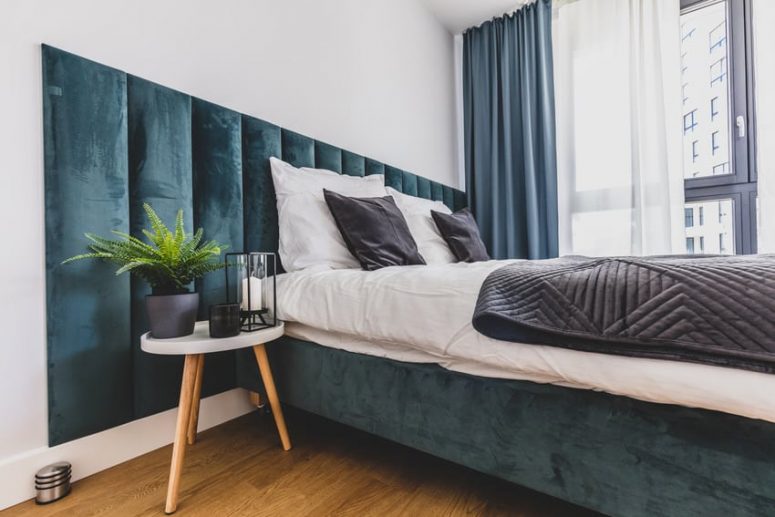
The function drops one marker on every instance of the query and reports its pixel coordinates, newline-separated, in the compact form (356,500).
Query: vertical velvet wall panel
(113,142)
(88,307)
(218,209)
(260,141)
(353,164)
(297,149)
(437,191)
(160,175)
(374,167)
(328,157)
(394,178)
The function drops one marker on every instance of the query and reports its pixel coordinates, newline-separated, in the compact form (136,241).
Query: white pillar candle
(255,294)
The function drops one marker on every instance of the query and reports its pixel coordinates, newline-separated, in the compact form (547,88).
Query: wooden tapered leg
(193,421)
(184,414)
(271,394)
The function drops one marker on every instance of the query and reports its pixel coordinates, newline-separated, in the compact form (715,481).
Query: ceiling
(458,15)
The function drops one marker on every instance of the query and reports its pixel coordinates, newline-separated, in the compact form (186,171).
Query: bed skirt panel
(613,454)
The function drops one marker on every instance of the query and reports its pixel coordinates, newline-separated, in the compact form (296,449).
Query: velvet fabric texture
(113,141)
(617,455)
(462,235)
(374,230)
(510,162)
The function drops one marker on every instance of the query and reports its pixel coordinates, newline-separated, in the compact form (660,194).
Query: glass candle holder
(250,283)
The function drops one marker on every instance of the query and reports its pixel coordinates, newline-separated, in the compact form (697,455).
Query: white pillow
(309,236)
(417,212)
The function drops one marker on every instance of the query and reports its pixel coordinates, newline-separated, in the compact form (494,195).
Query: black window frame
(741,184)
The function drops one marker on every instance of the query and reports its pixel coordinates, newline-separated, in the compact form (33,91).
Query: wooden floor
(238,468)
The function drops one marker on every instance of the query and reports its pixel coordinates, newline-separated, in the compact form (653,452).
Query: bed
(646,440)
(624,436)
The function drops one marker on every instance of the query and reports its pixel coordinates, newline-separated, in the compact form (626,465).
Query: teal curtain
(510,151)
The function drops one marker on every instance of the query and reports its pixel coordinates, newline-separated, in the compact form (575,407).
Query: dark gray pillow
(374,230)
(462,235)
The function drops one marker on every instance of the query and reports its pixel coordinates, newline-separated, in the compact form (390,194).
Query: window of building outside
(688,217)
(716,70)
(690,121)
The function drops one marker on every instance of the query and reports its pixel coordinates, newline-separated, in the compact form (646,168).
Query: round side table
(194,347)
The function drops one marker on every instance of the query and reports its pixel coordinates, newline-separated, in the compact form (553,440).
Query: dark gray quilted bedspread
(714,310)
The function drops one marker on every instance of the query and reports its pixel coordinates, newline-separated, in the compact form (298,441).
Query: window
(717,59)
(690,121)
(683,92)
(706,233)
(690,245)
(718,71)
(717,37)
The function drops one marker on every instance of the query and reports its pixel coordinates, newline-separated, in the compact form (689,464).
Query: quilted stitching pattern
(716,310)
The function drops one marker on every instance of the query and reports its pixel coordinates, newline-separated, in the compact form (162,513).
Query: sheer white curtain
(764,69)
(617,85)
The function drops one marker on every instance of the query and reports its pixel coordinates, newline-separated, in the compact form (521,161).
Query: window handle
(740,123)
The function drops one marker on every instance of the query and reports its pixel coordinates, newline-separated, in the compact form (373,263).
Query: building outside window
(714,108)
(688,217)
(706,220)
(717,37)
(721,168)
(690,121)
(716,73)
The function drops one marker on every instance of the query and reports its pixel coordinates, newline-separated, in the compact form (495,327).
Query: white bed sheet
(423,314)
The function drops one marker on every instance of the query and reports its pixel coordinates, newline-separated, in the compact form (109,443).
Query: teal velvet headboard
(112,142)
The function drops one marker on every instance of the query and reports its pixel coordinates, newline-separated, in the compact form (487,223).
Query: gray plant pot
(172,315)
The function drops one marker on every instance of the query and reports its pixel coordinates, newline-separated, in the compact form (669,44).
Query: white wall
(374,77)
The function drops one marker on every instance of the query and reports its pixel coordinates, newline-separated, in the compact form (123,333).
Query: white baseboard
(100,451)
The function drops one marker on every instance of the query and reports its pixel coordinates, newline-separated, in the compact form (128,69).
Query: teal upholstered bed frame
(114,141)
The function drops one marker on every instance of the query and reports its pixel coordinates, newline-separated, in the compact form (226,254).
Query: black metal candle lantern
(251,282)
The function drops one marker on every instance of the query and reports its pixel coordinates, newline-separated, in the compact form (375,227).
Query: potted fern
(169,262)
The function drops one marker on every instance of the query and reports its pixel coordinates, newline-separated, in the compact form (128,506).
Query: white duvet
(423,314)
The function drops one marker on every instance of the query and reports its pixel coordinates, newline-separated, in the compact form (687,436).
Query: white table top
(200,341)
